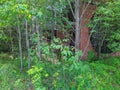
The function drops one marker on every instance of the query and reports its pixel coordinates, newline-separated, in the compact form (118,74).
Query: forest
(59,44)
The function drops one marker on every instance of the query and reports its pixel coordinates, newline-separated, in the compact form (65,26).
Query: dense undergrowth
(103,74)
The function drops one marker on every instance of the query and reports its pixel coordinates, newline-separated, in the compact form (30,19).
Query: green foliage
(59,68)
(10,77)
(72,75)
(37,73)
(4,78)
(106,19)
(91,55)
(99,75)
(66,72)
(109,71)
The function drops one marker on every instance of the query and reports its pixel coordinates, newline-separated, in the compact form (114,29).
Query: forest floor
(12,79)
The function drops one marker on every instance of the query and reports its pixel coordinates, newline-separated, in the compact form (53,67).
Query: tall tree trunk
(27,44)
(20,46)
(77,24)
(38,44)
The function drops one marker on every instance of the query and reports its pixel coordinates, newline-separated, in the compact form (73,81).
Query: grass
(109,70)
(10,76)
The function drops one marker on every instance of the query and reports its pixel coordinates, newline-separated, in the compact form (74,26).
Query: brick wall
(85,44)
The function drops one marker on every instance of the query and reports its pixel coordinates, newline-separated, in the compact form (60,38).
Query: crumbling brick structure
(86,12)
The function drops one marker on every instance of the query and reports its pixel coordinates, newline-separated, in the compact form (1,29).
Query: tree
(107,30)
(77,24)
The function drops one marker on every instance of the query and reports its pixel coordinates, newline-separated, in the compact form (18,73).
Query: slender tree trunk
(101,44)
(27,44)
(77,24)
(20,46)
(38,44)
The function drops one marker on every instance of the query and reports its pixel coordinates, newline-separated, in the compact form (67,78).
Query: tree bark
(20,46)
(38,44)
(77,24)
(27,44)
